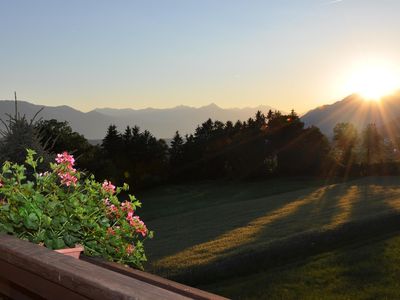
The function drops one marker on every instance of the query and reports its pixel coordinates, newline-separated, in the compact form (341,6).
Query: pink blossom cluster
(108,187)
(65,158)
(1,183)
(129,249)
(113,208)
(133,220)
(67,172)
(127,206)
(68,179)
(138,224)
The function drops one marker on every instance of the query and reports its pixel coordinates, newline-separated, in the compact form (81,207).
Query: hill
(160,122)
(227,229)
(354,109)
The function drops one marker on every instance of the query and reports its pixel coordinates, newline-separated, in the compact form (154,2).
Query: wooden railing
(29,271)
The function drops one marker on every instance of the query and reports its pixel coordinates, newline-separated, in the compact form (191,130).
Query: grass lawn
(203,225)
(169,200)
(370,270)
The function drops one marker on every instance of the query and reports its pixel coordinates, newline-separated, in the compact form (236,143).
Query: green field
(201,227)
(370,270)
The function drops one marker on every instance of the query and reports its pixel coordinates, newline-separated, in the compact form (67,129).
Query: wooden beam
(42,271)
(155,280)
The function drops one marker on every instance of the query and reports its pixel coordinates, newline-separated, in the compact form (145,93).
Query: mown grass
(367,270)
(202,227)
(171,200)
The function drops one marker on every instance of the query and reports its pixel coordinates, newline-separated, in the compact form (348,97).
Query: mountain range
(162,123)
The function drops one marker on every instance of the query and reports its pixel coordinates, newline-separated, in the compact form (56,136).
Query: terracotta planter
(74,252)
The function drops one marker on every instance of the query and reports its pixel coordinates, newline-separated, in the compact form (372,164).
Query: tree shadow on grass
(283,218)
(207,224)
(235,242)
(364,263)
(369,266)
(366,268)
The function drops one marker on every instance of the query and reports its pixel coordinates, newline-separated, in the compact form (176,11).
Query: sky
(289,54)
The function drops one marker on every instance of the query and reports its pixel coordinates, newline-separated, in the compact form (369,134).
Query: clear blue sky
(283,53)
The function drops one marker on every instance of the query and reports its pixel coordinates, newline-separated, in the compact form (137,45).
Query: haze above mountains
(164,122)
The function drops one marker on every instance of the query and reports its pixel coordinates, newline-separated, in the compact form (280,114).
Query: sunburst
(373,80)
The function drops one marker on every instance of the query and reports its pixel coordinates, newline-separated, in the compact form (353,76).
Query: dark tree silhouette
(345,139)
(19,135)
(372,144)
(176,153)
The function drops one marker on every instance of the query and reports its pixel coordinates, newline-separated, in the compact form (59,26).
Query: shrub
(64,207)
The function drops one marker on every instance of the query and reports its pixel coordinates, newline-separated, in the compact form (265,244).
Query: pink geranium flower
(113,208)
(129,216)
(126,206)
(67,179)
(67,171)
(139,225)
(129,249)
(65,158)
(108,187)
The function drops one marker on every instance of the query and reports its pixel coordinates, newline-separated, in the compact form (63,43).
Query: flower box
(74,252)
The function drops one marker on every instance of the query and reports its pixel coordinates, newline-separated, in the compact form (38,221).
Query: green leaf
(74,227)
(105,222)
(32,222)
(8,228)
(58,243)
(70,240)
(39,237)
(48,243)
(5,207)
(15,218)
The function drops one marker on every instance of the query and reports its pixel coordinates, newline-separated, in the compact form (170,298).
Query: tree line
(264,146)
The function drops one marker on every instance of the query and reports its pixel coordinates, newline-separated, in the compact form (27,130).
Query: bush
(62,208)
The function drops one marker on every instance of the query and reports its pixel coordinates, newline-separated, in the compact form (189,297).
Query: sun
(373,80)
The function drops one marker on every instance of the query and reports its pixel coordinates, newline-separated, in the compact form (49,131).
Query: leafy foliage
(62,207)
(61,137)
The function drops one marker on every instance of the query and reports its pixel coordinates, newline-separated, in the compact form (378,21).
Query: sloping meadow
(223,239)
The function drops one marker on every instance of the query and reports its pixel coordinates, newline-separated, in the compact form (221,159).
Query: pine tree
(20,134)
(176,150)
(112,142)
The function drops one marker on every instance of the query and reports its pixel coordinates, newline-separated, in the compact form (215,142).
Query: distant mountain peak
(211,106)
(354,109)
(161,122)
